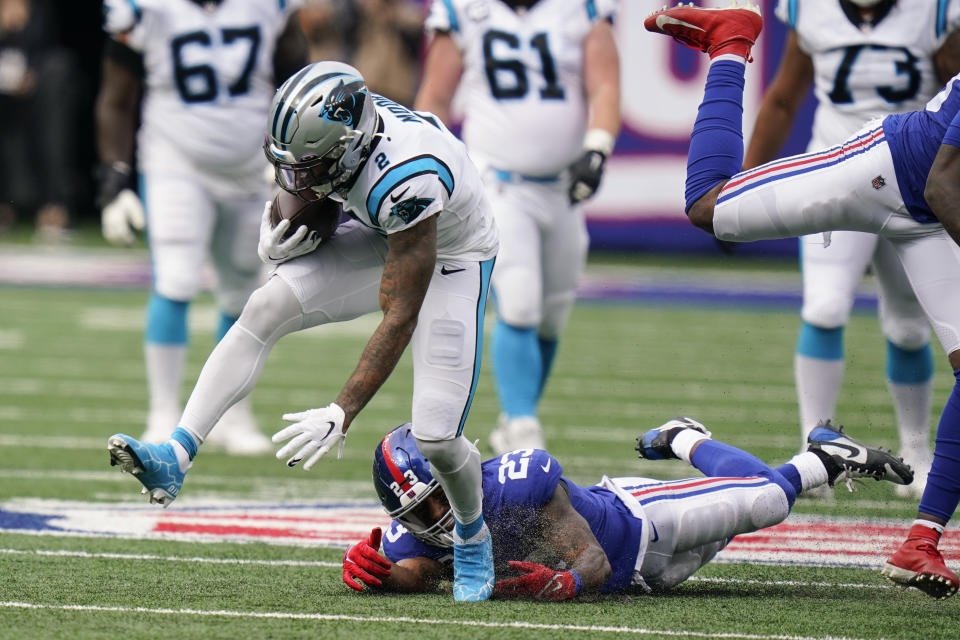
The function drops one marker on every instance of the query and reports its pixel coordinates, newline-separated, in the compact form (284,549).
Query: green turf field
(71,374)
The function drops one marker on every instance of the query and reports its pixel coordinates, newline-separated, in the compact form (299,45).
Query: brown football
(322,216)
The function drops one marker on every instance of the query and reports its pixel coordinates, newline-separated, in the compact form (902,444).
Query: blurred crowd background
(50,71)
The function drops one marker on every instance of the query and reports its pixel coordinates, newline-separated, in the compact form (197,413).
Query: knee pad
(827,311)
(271,311)
(176,284)
(907,334)
(518,294)
(437,412)
(556,311)
(769,507)
(447,456)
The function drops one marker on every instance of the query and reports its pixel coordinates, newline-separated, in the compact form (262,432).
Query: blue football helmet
(321,126)
(403,481)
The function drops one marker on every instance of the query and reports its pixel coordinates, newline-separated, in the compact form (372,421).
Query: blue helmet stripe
(400,174)
(288,106)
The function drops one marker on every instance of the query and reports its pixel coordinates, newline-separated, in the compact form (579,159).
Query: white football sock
(684,441)
(810,467)
(911,403)
(818,385)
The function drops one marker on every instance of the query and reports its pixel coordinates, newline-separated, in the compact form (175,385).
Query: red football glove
(543,583)
(363,562)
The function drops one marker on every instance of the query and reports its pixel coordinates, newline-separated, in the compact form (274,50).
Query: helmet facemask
(419,519)
(408,491)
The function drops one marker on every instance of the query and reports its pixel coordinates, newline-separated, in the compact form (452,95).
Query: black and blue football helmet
(403,481)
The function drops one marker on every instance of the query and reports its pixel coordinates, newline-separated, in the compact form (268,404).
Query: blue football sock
(822,344)
(716,144)
(909,367)
(188,442)
(467,531)
(942,493)
(517,368)
(226,321)
(166,320)
(720,460)
(548,351)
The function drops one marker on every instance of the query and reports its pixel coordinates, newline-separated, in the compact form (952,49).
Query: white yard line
(68,553)
(407,620)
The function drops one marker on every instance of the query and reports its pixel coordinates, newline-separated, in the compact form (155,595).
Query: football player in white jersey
(864,59)
(198,76)
(420,247)
(541,99)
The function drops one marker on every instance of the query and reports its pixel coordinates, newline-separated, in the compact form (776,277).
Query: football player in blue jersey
(557,539)
(419,247)
(898,177)
(864,59)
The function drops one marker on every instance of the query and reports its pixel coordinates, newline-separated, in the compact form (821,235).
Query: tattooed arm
(411,257)
(568,535)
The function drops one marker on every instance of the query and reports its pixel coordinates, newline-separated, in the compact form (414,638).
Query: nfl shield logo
(878,182)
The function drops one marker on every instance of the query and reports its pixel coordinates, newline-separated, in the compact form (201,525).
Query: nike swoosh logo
(447,271)
(656,535)
(399,195)
(856,455)
(328,430)
(546,467)
(667,20)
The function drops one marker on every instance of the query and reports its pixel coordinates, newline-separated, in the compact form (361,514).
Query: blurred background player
(898,176)
(40,99)
(621,534)
(865,58)
(206,71)
(420,248)
(540,83)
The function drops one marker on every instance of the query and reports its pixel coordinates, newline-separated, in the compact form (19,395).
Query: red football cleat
(715,31)
(918,563)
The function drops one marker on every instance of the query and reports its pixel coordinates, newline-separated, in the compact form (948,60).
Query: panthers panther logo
(345,103)
(410,208)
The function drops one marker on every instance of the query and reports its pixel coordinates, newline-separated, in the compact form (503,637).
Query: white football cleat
(517,433)
(237,434)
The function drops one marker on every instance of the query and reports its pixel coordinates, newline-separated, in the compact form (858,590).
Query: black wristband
(111,180)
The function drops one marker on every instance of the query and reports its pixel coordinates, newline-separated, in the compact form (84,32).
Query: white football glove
(314,433)
(120,215)
(273,249)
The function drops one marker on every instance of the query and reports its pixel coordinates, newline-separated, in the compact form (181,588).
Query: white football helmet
(322,122)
